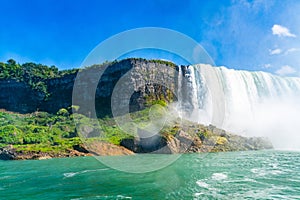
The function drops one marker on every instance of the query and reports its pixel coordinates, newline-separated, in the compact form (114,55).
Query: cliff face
(20,97)
(60,90)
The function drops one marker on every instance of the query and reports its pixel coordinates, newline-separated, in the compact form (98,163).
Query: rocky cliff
(192,137)
(18,96)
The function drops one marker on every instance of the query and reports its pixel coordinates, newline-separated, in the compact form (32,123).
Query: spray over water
(256,103)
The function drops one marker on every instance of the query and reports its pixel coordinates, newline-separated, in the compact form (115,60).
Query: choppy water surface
(232,175)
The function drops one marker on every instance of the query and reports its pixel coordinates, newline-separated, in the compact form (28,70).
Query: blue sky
(251,35)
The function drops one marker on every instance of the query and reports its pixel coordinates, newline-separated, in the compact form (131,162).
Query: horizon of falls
(253,103)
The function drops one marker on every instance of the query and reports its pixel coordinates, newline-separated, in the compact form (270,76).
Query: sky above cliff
(251,35)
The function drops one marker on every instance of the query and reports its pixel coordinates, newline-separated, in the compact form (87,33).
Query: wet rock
(80,148)
(7,153)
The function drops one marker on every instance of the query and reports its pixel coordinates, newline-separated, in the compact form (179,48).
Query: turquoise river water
(232,175)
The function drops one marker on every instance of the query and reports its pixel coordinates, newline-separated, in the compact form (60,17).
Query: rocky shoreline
(183,141)
(9,153)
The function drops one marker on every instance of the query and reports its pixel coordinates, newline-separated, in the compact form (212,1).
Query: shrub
(63,112)
(10,134)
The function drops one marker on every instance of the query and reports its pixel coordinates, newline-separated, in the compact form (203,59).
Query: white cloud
(255,5)
(285,70)
(275,51)
(291,50)
(281,31)
(267,66)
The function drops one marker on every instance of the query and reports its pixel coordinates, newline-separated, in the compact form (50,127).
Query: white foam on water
(276,172)
(71,174)
(219,176)
(241,180)
(123,197)
(202,184)
(197,195)
(118,197)
(265,172)
(258,171)
(4,177)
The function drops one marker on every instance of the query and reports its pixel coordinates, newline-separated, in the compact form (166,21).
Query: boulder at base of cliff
(101,148)
(7,153)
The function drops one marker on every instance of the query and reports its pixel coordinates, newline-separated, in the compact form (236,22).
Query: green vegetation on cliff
(35,75)
(38,131)
(54,135)
(49,133)
(30,72)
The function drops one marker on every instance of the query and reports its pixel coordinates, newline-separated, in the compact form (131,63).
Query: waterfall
(179,91)
(255,103)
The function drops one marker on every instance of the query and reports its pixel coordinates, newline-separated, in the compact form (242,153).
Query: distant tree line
(35,75)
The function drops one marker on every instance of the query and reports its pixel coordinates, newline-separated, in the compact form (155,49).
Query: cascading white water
(256,103)
(193,96)
(179,92)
